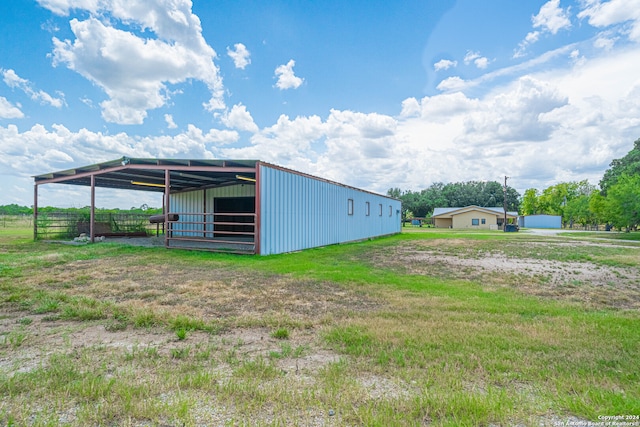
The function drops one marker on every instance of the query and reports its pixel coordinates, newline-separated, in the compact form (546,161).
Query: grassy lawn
(430,327)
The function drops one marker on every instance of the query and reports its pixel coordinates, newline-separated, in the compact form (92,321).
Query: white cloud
(614,12)
(452,84)
(8,110)
(445,64)
(552,17)
(286,77)
(482,62)
(576,58)
(478,60)
(520,69)
(470,56)
(532,37)
(516,114)
(440,107)
(604,42)
(30,152)
(288,143)
(241,56)
(239,118)
(170,123)
(410,108)
(14,81)
(102,53)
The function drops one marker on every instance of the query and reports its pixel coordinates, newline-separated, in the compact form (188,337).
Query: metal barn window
(475,221)
(350,206)
(390,210)
(484,221)
(366,208)
(380,209)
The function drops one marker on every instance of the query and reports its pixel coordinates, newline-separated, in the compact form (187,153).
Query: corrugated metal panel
(300,212)
(541,221)
(184,204)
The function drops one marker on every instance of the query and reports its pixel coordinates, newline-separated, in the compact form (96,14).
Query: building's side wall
(542,221)
(443,222)
(299,212)
(463,220)
(196,203)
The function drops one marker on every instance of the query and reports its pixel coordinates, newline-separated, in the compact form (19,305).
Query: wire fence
(67,225)
(16,221)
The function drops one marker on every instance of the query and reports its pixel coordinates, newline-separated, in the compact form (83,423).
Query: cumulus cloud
(170,123)
(477,59)
(240,55)
(439,107)
(288,142)
(8,110)
(40,150)
(605,42)
(452,84)
(604,14)
(12,80)
(516,115)
(103,49)
(550,19)
(239,118)
(445,64)
(410,108)
(286,77)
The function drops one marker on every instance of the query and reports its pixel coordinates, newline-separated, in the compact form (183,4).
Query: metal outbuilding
(244,206)
(540,221)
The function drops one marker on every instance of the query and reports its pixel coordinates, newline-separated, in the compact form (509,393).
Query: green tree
(623,202)
(396,193)
(598,208)
(577,206)
(629,165)
(14,209)
(529,203)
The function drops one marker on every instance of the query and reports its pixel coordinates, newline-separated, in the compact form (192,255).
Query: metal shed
(540,221)
(246,206)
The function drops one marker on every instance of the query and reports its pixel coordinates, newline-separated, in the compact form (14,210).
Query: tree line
(490,194)
(614,203)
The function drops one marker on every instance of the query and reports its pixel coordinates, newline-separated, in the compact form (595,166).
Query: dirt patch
(585,282)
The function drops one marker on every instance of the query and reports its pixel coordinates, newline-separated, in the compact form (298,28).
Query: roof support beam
(177,168)
(92,229)
(35,212)
(167,189)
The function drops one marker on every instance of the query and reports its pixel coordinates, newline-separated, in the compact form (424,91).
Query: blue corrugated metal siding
(542,221)
(182,203)
(300,212)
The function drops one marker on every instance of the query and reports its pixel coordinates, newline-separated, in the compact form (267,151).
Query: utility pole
(504,225)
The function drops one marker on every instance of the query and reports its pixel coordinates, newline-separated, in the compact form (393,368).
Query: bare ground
(589,283)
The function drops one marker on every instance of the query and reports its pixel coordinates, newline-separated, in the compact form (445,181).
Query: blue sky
(374,94)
